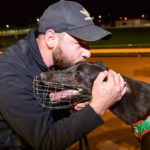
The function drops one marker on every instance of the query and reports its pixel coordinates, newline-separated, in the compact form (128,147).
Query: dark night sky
(18,12)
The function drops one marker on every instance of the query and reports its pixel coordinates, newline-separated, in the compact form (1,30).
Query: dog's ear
(98,63)
(104,67)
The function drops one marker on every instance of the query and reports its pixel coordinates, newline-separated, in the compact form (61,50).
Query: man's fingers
(111,76)
(116,77)
(101,77)
(121,80)
(123,84)
(79,106)
(124,90)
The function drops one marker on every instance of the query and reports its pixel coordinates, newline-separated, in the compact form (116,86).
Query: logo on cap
(86,13)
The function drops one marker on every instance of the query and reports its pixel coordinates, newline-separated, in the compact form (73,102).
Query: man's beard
(60,59)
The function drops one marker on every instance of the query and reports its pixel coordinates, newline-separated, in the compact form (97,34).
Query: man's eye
(84,45)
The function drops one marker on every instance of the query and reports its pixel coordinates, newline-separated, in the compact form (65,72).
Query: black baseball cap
(73,18)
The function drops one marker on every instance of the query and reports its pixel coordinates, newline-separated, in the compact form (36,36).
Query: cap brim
(90,33)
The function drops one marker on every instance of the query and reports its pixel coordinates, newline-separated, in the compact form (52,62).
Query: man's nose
(86,53)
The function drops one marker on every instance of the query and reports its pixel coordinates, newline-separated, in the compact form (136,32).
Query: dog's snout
(43,75)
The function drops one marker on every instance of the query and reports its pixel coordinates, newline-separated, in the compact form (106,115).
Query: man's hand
(106,93)
(79,106)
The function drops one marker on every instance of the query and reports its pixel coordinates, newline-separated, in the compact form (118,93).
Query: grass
(125,37)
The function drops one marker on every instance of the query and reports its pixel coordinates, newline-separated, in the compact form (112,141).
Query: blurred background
(127,51)
(129,21)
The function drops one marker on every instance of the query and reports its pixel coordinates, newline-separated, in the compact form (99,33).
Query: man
(61,39)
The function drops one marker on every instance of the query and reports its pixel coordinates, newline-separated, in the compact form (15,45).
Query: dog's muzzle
(56,95)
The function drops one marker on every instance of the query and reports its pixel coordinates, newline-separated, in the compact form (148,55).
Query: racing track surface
(115,134)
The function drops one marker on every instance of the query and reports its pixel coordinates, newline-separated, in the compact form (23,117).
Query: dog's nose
(43,75)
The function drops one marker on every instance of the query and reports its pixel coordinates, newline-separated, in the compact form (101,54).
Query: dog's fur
(135,104)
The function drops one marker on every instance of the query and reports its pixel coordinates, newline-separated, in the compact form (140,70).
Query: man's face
(70,51)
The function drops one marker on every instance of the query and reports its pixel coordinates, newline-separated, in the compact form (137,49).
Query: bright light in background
(37,19)
(7,26)
(125,18)
(99,16)
(142,15)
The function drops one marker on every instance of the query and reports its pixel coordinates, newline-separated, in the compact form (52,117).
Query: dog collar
(141,127)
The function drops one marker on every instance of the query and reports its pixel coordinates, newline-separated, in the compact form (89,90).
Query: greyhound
(133,109)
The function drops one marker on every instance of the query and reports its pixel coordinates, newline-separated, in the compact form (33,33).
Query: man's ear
(50,38)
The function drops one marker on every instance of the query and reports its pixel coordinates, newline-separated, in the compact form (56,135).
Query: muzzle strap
(46,94)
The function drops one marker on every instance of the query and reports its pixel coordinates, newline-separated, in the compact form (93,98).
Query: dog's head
(74,83)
